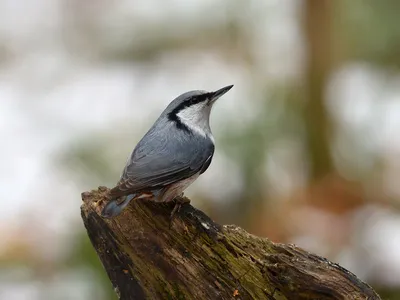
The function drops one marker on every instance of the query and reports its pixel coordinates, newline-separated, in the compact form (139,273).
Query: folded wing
(160,162)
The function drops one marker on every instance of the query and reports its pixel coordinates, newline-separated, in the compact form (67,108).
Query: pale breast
(176,189)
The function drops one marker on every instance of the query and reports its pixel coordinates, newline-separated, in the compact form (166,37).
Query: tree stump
(197,258)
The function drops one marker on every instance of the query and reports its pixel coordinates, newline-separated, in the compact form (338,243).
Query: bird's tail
(115,206)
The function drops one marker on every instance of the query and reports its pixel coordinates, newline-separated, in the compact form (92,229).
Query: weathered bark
(199,259)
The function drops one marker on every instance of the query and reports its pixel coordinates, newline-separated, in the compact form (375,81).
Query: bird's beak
(215,95)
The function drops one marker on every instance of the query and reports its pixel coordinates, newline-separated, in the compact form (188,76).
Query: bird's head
(191,111)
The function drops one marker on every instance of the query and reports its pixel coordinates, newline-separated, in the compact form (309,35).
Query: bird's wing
(161,162)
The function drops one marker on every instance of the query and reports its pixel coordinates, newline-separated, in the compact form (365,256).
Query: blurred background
(308,148)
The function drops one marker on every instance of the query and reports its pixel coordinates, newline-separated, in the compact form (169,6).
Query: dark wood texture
(199,259)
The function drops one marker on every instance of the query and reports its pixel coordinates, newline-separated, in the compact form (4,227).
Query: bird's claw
(179,201)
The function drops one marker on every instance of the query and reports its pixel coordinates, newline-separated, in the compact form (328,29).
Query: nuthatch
(176,150)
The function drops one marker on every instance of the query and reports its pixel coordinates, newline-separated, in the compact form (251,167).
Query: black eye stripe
(173,115)
(191,101)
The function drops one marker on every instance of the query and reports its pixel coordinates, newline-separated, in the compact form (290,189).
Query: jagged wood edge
(200,259)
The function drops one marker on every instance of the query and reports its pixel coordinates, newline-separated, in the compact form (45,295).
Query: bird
(175,151)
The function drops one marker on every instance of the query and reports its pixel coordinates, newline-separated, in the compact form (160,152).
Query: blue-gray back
(163,156)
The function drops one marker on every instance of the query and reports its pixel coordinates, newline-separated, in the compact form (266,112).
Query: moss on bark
(199,259)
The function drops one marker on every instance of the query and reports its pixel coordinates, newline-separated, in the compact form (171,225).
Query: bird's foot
(179,201)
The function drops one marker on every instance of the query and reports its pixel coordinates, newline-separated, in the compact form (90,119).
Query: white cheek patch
(196,118)
(211,138)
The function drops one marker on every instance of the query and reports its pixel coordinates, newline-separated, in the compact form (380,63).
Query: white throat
(196,117)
